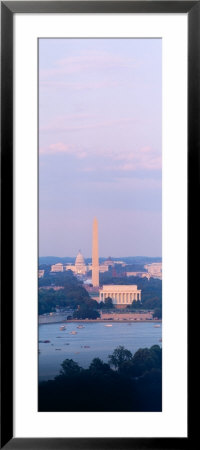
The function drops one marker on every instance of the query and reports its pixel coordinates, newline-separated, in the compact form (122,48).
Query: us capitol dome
(80,265)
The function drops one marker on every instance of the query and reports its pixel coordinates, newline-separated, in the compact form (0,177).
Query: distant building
(154,270)
(80,266)
(70,267)
(122,263)
(109,262)
(138,274)
(40,273)
(57,267)
(102,268)
(121,295)
(54,288)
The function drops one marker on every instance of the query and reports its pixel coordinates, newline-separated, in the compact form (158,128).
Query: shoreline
(101,321)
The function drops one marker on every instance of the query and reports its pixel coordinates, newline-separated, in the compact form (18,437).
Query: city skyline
(100,146)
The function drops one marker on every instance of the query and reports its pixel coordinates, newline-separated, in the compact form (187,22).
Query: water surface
(100,341)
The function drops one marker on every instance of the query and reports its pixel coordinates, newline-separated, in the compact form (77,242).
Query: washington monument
(95,255)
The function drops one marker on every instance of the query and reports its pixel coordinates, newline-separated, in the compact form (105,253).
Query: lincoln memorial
(121,294)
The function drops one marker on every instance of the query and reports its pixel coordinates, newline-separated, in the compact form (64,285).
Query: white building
(102,268)
(138,274)
(154,270)
(70,267)
(57,267)
(121,294)
(80,266)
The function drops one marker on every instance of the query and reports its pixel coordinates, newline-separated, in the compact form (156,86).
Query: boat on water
(108,325)
(80,326)
(156,326)
(62,328)
(73,332)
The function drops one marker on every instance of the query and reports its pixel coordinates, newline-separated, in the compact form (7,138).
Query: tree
(108,303)
(119,357)
(70,368)
(146,359)
(157,314)
(85,312)
(135,386)
(97,366)
(136,304)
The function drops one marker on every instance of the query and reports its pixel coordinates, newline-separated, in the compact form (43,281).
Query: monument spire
(95,255)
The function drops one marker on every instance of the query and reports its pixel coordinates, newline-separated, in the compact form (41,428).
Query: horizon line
(131,256)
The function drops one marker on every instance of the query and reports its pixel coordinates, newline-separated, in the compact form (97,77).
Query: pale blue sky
(100,146)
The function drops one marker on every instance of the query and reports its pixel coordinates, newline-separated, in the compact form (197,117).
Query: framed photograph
(100,146)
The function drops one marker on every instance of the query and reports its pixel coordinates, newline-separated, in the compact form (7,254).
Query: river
(91,341)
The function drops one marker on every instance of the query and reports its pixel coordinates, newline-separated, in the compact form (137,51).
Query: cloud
(154,163)
(87,61)
(109,160)
(79,86)
(61,148)
(144,158)
(63,124)
(54,149)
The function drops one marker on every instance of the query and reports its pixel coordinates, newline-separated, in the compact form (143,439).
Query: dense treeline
(72,295)
(77,299)
(126,383)
(58,278)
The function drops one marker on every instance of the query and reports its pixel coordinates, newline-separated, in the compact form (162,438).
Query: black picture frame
(8,9)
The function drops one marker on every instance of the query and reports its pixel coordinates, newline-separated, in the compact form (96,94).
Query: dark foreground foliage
(128,383)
